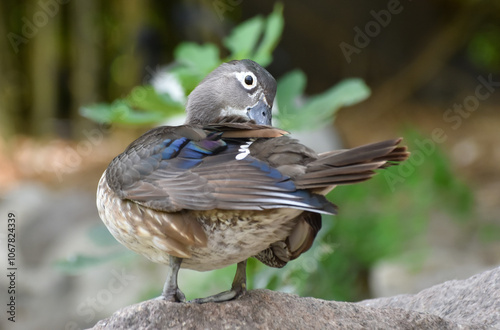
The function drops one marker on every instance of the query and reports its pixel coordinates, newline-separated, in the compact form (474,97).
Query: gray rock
(264,309)
(468,304)
(475,300)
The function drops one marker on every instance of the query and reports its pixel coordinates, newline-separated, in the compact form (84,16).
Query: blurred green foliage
(374,223)
(296,113)
(254,39)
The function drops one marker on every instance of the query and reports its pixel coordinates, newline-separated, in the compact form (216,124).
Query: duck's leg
(171,291)
(239,286)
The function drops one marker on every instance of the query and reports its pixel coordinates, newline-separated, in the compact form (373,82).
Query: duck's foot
(177,296)
(220,297)
(238,288)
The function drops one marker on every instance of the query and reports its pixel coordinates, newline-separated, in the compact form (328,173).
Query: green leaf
(290,88)
(317,110)
(100,113)
(243,39)
(201,59)
(272,34)
(188,78)
(145,97)
(346,93)
(243,42)
(142,106)
(120,112)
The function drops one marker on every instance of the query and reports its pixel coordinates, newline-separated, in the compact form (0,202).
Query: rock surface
(469,304)
(475,300)
(264,309)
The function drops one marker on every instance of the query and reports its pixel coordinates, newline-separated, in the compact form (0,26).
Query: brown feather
(246,130)
(185,229)
(299,241)
(351,165)
(303,235)
(255,133)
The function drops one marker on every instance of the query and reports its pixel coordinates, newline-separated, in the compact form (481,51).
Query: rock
(264,309)
(468,304)
(475,300)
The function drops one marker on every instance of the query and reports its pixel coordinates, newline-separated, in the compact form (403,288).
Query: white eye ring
(242,77)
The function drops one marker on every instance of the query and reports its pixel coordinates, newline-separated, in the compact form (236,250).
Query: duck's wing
(189,168)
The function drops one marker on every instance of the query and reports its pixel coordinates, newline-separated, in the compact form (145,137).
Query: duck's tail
(351,165)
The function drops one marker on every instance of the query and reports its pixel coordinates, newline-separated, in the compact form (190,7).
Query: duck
(227,186)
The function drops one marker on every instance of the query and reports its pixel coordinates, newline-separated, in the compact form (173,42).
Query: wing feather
(173,172)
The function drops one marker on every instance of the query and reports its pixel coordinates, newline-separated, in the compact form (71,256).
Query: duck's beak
(261,112)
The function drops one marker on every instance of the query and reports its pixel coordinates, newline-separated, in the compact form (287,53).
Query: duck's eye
(249,80)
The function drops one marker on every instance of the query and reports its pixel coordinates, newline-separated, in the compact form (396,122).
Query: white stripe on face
(229,111)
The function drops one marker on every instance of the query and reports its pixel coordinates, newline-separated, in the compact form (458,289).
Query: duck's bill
(261,113)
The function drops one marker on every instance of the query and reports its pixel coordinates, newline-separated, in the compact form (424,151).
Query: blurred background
(75,90)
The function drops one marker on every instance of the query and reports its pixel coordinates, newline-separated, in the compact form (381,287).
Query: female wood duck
(227,186)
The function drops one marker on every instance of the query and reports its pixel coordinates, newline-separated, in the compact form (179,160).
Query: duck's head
(235,91)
